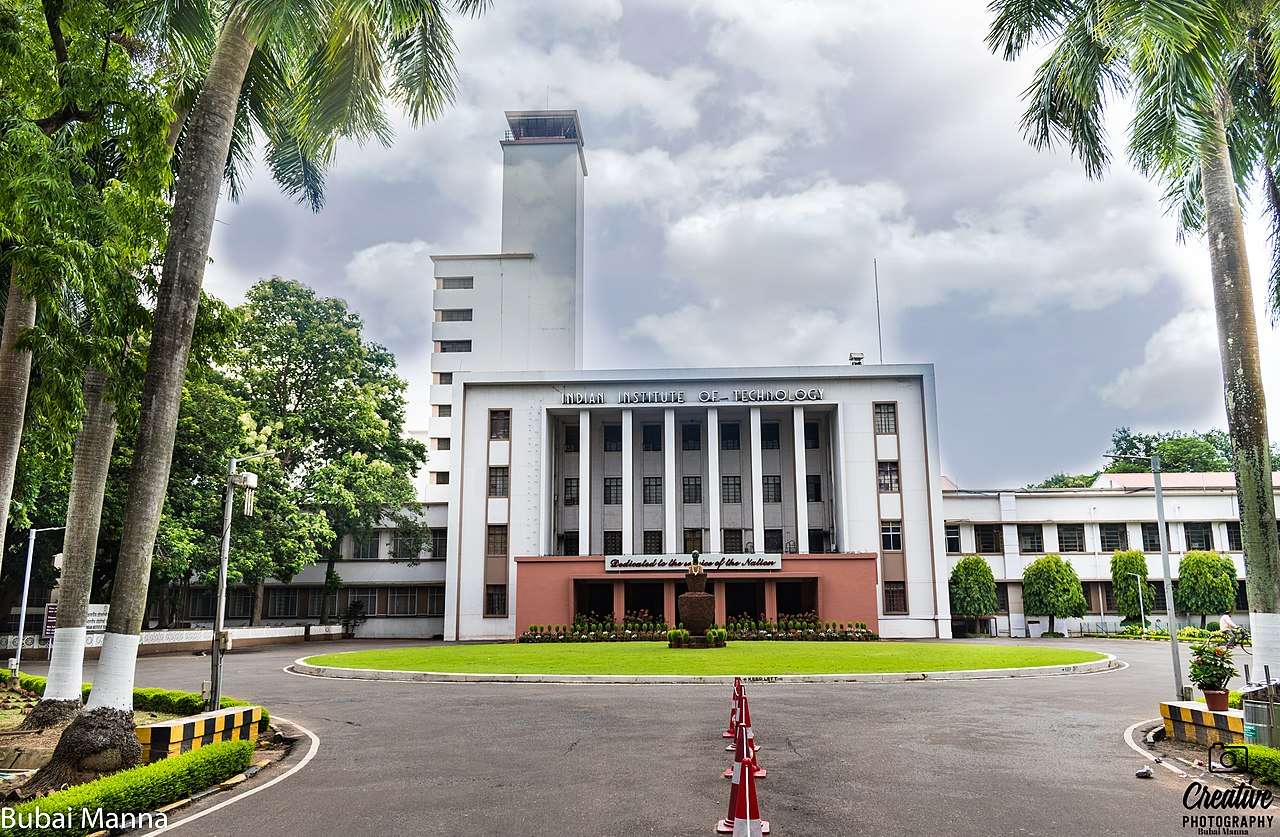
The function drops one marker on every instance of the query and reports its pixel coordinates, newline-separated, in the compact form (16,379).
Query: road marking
(315,747)
(1145,753)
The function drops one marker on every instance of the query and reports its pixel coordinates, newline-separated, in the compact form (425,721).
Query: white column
(671,543)
(757,483)
(712,496)
(802,471)
(839,482)
(628,486)
(584,482)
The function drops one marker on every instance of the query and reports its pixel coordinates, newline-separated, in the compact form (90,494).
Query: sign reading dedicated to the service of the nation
(679,563)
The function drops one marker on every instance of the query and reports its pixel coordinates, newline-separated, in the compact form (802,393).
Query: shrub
(1264,763)
(1211,666)
(1212,627)
(139,789)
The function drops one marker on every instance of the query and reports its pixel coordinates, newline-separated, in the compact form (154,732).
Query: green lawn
(744,658)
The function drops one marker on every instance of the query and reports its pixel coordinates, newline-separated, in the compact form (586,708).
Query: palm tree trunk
(92,460)
(1245,399)
(102,737)
(255,608)
(15,376)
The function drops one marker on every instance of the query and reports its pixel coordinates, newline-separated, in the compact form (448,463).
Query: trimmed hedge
(1264,763)
(149,700)
(137,790)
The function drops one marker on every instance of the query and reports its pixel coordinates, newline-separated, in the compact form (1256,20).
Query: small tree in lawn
(1050,587)
(973,588)
(1125,586)
(1206,584)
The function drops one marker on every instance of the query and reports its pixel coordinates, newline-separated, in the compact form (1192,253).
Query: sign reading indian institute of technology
(704,396)
(679,563)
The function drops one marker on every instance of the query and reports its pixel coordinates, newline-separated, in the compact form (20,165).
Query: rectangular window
(613,491)
(731,489)
(444,377)
(435,600)
(440,477)
(690,437)
(365,596)
(811,435)
(651,437)
(730,436)
(772,540)
(439,543)
(571,491)
(496,539)
(613,437)
(402,601)
(891,536)
(451,346)
(1113,537)
(1108,596)
(953,540)
(1002,597)
(988,538)
(612,542)
(444,411)
(1161,603)
(455,315)
(282,603)
(442,443)
(771,488)
(570,543)
(1199,535)
(1151,537)
(495,600)
(1235,543)
(652,541)
(887,476)
(733,541)
(1030,538)
(817,541)
(315,601)
(886,418)
(1242,597)
(457,283)
(692,540)
(770,436)
(652,490)
(499,424)
(402,548)
(366,550)
(895,597)
(499,480)
(693,489)
(239,600)
(1071,537)
(813,487)
(571,437)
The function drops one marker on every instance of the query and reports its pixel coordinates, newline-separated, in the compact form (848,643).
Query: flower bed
(639,627)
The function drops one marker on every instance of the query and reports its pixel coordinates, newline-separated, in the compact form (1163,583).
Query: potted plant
(1211,669)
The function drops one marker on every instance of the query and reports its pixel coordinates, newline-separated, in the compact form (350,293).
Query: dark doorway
(593,597)
(795,597)
(645,595)
(744,597)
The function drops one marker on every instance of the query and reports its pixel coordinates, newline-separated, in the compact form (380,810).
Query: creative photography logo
(1226,811)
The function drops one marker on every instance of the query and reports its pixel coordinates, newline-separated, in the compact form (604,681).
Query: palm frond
(1019,24)
(298,172)
(423,69)
(340,90)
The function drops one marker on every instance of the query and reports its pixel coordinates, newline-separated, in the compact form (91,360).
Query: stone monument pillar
(697,607)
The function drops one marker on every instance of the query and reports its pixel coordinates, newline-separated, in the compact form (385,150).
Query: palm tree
(339,54)
(1201,76)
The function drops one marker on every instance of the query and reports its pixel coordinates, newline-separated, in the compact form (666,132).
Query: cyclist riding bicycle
(1235,633)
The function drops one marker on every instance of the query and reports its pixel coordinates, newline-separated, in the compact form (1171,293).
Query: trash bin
(1258,727)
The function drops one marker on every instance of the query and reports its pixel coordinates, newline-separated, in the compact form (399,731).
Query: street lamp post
(26,588)
(1142,611)
(248,481)
(1154,462)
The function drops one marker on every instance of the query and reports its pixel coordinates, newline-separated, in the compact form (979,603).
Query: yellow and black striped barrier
(169,738)
(1193,722)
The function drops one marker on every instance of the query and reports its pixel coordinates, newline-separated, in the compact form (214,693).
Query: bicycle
(1230,640)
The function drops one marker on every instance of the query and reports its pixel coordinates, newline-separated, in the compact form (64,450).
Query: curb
(300,666)
(225,784)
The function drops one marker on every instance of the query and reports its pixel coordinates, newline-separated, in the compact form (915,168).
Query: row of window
(1112,537)
(691,436)
(651,489)
(732,541)
(283,602)
(401,549)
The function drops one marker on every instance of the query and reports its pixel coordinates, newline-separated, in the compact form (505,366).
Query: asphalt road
(1034,756)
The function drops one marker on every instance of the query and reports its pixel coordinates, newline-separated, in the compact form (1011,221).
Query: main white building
(553,489)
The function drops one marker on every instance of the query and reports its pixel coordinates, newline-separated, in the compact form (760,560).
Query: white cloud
(1180,372)
(391,284)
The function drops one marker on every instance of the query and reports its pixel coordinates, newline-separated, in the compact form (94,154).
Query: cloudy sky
(748,160)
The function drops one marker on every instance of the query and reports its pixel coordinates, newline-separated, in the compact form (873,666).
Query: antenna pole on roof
(879,331)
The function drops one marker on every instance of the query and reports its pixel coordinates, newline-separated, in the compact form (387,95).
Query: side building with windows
(806,489)
(1010,528)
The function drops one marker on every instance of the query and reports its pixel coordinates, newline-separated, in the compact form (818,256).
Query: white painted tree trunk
(113,684)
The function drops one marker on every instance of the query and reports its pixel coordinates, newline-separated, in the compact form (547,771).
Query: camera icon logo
(1228,758)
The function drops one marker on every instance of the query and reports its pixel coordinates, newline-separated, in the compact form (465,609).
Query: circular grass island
(754,659)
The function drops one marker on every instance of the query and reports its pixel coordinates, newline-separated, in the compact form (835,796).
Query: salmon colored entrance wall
(846,586)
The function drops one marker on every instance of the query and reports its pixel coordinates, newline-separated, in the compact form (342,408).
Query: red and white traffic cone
(726,825)
(744,748)
(732,731)
(753,746)
(746,816)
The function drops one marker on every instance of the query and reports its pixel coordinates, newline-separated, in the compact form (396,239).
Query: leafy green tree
(1202,80)
(1050,587)
(1181,452)
(1126,588)
(973,588)
(1206,584)
(334,407)
(1067,481)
